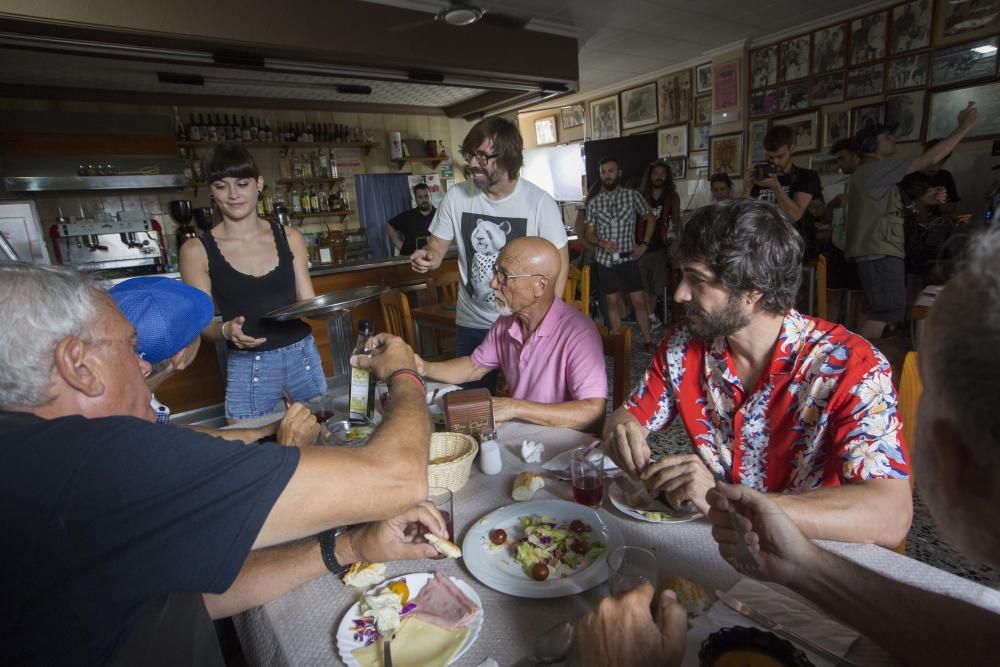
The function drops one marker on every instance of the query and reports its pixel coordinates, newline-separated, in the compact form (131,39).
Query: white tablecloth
(298,629)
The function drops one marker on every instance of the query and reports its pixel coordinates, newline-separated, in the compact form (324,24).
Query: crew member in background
(840,274)
(481,215)
(658,189)
(791,187)
(875,238)
(409,230)
(939,180)
(722,186)
(611,227)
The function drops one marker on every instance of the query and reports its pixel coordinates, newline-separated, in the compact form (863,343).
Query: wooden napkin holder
(469,411)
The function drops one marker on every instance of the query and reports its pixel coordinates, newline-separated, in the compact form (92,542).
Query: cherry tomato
(540,572)
(580,547)
(578,526)
(498,536)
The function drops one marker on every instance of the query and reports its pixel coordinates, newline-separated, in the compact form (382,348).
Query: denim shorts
(254,378)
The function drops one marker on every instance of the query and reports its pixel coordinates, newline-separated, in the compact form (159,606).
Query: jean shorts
(255,378)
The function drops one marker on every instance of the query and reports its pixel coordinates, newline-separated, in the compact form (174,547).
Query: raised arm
(939,151)
(453,371)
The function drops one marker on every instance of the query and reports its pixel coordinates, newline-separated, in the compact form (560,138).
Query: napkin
(416,644)
(531,452)
(561,462)
(793,613)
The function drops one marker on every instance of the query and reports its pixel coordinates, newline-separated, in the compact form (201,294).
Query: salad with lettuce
(549,548)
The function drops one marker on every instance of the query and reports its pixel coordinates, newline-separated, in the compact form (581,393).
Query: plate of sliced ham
(439,621)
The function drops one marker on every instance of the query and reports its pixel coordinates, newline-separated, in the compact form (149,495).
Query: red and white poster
(726,79)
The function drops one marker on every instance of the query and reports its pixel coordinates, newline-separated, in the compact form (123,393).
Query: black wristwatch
(327,547)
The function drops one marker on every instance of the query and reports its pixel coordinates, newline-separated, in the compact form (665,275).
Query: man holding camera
(611,227)
(791,188)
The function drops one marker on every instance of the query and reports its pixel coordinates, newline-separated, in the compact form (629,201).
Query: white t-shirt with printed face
(482,227)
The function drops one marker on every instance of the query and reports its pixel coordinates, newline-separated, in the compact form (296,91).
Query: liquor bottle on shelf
(293,199)
(268,201)
(193,131)
(244,129)
(179,126)
(268,133)
(324,198)
(323,160)
(213,131)
(261,211)
(345,200)
(333,165)
(306,200)
(314,200)
(296,165)
(307,166)
(196,167)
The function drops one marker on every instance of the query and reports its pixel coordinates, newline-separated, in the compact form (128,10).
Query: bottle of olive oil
(362,407)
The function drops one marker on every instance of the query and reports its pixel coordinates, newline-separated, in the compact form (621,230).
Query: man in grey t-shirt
(874,231)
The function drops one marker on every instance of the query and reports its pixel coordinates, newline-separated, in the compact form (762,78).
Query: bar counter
(202,383)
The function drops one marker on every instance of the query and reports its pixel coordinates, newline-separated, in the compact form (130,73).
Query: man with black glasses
(482,215)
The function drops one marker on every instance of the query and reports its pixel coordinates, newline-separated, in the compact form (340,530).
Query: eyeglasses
(502,276)
(479,156)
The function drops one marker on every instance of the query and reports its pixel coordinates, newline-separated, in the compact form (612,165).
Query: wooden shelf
(320,179)
(434,161)
(323,214)
(282,144)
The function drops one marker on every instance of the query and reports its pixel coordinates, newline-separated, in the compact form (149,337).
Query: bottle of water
(362,407)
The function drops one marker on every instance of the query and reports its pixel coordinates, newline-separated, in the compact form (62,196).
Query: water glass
(444,501)
(628,567)
(587,467)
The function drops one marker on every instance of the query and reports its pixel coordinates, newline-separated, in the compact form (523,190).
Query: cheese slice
(416,644)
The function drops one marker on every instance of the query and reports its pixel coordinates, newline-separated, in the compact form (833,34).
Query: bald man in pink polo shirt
(551,355)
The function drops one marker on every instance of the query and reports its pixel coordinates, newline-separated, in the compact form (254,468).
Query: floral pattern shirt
(823,414)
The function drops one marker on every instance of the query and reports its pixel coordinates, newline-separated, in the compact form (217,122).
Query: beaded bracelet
(406,372)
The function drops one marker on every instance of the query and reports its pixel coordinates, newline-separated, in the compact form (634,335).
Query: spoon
(552,646)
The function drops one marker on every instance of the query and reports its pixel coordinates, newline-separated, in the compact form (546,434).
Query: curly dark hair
(750,245)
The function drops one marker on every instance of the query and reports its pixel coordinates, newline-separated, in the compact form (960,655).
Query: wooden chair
(396,314)
(821,288)
(619,348)
(910,388)
(578,280)
(443,288)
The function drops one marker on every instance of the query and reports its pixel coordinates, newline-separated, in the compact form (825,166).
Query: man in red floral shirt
(773,399)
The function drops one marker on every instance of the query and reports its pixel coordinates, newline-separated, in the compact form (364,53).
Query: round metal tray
(325,304)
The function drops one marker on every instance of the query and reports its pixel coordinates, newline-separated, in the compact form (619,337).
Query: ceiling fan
(460,14)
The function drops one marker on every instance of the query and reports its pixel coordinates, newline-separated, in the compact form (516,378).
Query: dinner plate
(617,496)
(495,566)
(345,635)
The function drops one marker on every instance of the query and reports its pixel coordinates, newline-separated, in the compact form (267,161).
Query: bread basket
(454,453)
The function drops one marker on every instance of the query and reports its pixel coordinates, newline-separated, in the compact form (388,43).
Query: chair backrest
(619,348)
(396,314)
(578,280)
(910,388)
(821,287)
(443,288)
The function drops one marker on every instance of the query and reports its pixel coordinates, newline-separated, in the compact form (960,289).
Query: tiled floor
(923,542)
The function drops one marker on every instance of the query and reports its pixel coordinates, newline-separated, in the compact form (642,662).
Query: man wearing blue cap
(874,231)
(168,317)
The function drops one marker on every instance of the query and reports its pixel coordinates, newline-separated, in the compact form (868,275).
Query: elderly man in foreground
(551,355)
(786,404)
(126,535)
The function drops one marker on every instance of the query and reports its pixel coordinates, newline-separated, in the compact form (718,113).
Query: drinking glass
(321,407)
(628,567)
(443,500)
(587,467)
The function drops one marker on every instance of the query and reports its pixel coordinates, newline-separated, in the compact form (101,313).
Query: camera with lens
(764,170)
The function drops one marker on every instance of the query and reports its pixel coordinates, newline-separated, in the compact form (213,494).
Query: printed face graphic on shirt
(485,236)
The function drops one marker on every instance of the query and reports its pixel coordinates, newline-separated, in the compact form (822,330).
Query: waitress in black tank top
(250,267)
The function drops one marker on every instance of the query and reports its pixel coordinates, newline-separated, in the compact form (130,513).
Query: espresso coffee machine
(128,241)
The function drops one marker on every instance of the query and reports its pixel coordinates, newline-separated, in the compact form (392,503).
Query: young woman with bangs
(250,267)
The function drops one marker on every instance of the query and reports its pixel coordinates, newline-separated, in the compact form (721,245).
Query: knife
(778,629)
(386,652)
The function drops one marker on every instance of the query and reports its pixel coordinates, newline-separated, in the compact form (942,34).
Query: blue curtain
(381,197)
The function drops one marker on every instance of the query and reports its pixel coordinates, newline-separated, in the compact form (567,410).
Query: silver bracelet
(225,336)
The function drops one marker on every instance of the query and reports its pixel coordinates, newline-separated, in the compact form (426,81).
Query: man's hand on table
(504,409)
(625,443)
(389,354)
(398,538)
(680,477)
(780,548)
(298,428)
(621,630)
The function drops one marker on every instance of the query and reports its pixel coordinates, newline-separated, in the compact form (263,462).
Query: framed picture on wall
(865,81)
(827,89)
(703,79)
(868,114)
(703,110)
(727,154)
(698,159)
(639,106)
(675,97)
(604,118)
(763,102)
(868,36)
(911,26)
(907,111)
(678,166)
(726,86)
(907,72)
(794,96)
(836,126)
(764,67)
(545,131)
(806,129)
(700,138)
(794,62)
(942,116)
(572,116)
(829,49)
(755,141)
(672,141)
(975,60)
(961,21)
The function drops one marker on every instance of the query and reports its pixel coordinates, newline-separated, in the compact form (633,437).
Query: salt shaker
(489,455)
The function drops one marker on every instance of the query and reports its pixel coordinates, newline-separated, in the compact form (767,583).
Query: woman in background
(250,267)
(722,186)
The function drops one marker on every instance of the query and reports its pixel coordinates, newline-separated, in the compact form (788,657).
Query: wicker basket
(456,452)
